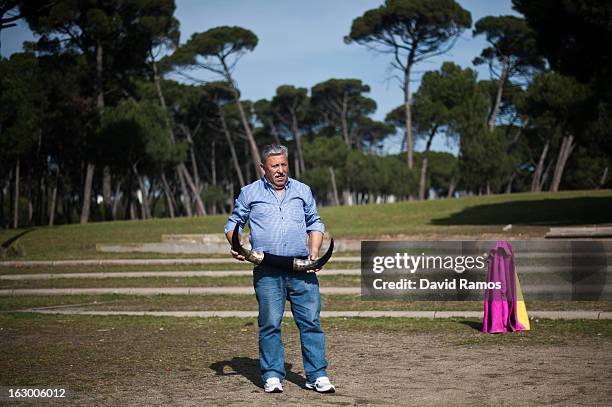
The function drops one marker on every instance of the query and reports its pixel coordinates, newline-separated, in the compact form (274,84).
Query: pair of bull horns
(282,262)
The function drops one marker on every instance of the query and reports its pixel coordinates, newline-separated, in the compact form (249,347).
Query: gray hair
(273,149)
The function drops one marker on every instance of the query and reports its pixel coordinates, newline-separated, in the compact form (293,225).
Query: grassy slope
(531,214)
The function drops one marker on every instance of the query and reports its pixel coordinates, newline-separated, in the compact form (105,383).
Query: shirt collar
(269,184)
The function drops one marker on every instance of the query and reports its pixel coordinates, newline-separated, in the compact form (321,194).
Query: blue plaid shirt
(279,224)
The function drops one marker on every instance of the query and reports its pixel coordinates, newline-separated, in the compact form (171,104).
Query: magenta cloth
(500,306)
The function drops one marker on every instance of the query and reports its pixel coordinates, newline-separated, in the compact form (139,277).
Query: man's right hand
(237,255)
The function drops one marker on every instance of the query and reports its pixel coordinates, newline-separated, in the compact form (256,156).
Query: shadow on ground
(476,325)
(554,212)
(7,243)
(249,368)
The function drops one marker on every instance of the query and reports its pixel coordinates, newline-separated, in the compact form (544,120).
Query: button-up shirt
(279,223)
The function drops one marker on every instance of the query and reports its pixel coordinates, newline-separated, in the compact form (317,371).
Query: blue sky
(301,43)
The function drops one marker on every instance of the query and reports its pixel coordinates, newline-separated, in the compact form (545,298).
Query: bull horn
(282,262)
(305,265)
(250,255)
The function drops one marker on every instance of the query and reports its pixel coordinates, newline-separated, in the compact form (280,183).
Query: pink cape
(504,309)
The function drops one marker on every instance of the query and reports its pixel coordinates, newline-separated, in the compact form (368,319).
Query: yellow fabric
(521,308)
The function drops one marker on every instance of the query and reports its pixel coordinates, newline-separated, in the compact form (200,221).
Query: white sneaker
(273,385)
(321,385)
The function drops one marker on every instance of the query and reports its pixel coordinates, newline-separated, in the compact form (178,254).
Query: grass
(531,215)
(118,302)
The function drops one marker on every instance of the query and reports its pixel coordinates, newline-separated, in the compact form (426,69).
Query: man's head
(275,164)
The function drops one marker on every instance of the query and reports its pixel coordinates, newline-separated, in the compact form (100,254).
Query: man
(283,220)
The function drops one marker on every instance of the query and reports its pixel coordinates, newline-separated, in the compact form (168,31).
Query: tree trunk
(87,193)
(332,175)
(296,166)
(133,215)
(201,211)
(298,142)
(107,193)
(498,98)
(28,195)
(162,102)
(451,188)
(251,140)
(66,204)
(344,122)
(162,99)
(232,148)
(186,198)
(545,176)
(566,149)
(146,213)
(408,113)
(194,164)
(231,196)
(44,204)
(245,123)
(53,204)
(347,197)
(99,90)
(99,80)
(423,178)
(116,199)
(536,185)
(213,163)
(168,195)
(16,199)
(604,178)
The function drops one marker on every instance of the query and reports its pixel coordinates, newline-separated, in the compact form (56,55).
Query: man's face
(276,170)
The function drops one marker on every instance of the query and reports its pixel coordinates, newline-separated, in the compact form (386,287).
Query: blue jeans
(272,288)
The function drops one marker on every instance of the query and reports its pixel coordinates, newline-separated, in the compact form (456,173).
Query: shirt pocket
(261,210)
(296,211)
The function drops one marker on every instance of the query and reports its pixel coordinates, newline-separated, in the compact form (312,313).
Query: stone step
(144,274)
(192,245)
(158,290)
(532,291)
(580,232)
(540,271)
(195,238)
(142,262)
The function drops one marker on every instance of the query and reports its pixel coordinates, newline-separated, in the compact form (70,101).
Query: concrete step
(144,274)
(579,232)
(530,291)
(142,262)
(542,272)
(158,290)
(195,238)
(204,244)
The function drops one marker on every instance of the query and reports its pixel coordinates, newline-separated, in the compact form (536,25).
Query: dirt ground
(195,362)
